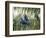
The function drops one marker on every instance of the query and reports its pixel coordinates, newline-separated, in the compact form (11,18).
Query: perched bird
(24,20)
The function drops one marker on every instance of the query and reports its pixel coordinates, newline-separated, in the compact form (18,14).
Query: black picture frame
(7,18)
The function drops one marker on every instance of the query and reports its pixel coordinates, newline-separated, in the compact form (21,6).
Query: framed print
(24,18)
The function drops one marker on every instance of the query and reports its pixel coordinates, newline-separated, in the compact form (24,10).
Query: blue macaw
(24,20)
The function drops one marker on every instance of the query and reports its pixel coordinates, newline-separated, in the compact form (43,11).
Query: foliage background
(33,15)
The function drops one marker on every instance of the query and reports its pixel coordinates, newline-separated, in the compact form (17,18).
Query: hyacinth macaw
(24,20)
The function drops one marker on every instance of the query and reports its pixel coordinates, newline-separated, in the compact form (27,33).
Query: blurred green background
(33,15)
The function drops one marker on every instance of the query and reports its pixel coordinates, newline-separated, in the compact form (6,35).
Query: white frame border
(11,32)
